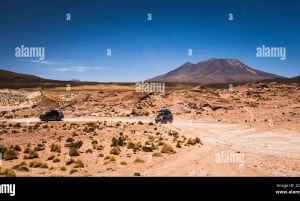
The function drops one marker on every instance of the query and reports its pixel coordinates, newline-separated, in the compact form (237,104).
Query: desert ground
(109,130)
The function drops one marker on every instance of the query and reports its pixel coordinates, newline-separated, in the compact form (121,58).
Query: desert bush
(73,171)
(130,145)
(89,151)
(173,133)
(10,154)
(167,148)
(191,141)
(73,151)
(36,126)
(69,139)
(139,160)
(17,148)
(38,164)
(110,158)
(114,142)
(178,145)
(51,157)
(160,143)
(198,140)
(21,167)
(74,134)
(120,141)
(138,146)
(157,154)
(76,144)
(94,142)
(56,160)
(63,168)
(148,148)
(32,154)
(17,126)
(26,150)
(55,148)
(39,147)
(70,161)
(150,123)
(140,123)
(98,147)
(90,127)
(8,172)
(115,151)
(123,163)
(78,164)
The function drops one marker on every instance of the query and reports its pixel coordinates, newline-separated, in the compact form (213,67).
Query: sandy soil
(251,131)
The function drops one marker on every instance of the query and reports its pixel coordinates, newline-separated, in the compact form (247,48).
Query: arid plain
(109,130)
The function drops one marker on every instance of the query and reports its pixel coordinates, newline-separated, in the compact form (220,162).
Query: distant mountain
(14,80)
(296,79)
(11,79)
(286,80)
(213,71)
(75,80)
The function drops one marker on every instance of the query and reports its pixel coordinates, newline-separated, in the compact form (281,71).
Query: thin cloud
(43,62)
(52,63)
(62,69)
(79,69)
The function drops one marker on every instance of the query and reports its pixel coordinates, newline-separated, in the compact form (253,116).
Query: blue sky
(141,49)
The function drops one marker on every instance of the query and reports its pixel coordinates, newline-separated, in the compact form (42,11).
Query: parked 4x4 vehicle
(52,115)
(164,116)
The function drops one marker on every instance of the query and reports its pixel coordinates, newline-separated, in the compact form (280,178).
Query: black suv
(164,116)
(52,115)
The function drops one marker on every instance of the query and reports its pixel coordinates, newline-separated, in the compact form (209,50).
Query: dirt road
(232,150)
(227,150)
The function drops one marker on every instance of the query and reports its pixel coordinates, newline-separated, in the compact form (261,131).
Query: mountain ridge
(214,70)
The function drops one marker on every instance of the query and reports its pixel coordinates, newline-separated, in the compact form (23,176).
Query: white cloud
(79,69)
(62,69)
(43,62)
(46,62)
